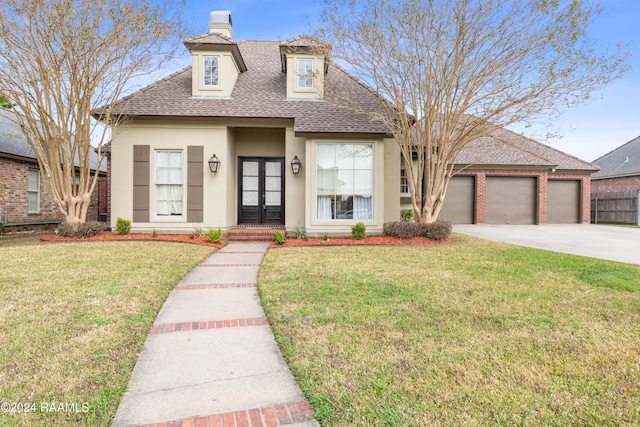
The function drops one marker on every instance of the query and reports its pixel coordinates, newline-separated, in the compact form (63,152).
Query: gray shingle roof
(504,147)
(210,38)
(623,161)
(13,142)
(259,92)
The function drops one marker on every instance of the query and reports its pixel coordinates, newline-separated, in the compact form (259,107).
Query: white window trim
(204,62)
(154,199)
(298,75)
(403,168)
(37,191)
(338,222)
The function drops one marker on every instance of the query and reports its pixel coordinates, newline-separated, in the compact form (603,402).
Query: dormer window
(305,73)
(210,72)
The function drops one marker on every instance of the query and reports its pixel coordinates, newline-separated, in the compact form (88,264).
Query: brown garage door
(459,200)
(563,201)
(510,200)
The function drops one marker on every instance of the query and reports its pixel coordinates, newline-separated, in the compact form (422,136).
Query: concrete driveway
(597,241)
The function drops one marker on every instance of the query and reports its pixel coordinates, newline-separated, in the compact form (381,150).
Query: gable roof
(221,43)
(504,147)
(623,161)
(14,144)
(259,92)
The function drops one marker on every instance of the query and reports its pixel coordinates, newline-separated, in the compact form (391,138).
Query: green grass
(73,318)
(468,333)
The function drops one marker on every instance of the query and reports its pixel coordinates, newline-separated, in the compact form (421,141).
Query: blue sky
(590,130)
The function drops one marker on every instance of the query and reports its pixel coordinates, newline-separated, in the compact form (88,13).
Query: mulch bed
(184,238)
(110,237)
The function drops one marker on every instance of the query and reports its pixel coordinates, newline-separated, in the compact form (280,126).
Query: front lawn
(73,318)
(468,333)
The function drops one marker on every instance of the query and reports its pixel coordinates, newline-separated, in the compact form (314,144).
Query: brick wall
(615,185)
(542,179)
(15,176)
(108,190)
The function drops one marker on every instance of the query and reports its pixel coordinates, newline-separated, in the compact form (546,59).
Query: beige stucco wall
(230,140)
(392,181)
(295,185)
(227,74)
(259,142)
(172,136)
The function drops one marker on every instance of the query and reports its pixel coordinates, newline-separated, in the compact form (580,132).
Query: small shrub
(359,231)
(123,226)
(87,229)
(406,215)
(408,230)
(192,235)
(279,237)
(325,237)
(437,230)
(214,236)
(199,232)
(300,234)
(154,233)
(402,229)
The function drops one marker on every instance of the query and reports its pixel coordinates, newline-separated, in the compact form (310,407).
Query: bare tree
(449,71)
(3,104)
(61,58)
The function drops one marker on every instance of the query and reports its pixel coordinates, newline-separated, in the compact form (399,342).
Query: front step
(252,233)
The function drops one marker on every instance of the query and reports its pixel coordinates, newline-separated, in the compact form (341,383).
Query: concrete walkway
(210,358)
(596,241)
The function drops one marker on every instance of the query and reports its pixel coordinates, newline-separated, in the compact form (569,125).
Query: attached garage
(510,200)
(459,201)
(563,201)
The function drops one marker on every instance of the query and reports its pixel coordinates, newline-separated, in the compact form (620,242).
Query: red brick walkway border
(267,416)
(213,324)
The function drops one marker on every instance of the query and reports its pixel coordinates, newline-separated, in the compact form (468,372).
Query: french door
(260,190)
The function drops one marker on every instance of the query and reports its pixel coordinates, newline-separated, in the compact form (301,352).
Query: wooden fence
(616,208)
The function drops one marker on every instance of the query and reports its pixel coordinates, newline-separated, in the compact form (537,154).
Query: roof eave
(348,135)
(206,47)
(627,175)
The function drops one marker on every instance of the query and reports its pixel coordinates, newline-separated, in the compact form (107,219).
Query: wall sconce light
(214,164)
(295,165)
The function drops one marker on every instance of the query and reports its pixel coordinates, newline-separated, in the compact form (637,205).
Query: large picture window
(211,70)
(305,73)
(169,179)
(344,181)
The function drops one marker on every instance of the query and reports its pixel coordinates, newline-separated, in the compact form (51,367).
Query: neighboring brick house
(257,108)
(27,201)
(619,170)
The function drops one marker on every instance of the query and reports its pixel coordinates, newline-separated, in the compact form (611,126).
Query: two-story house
(245,136)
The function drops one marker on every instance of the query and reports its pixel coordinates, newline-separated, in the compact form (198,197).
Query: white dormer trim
(228,72)
(211,71)
(297,91)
